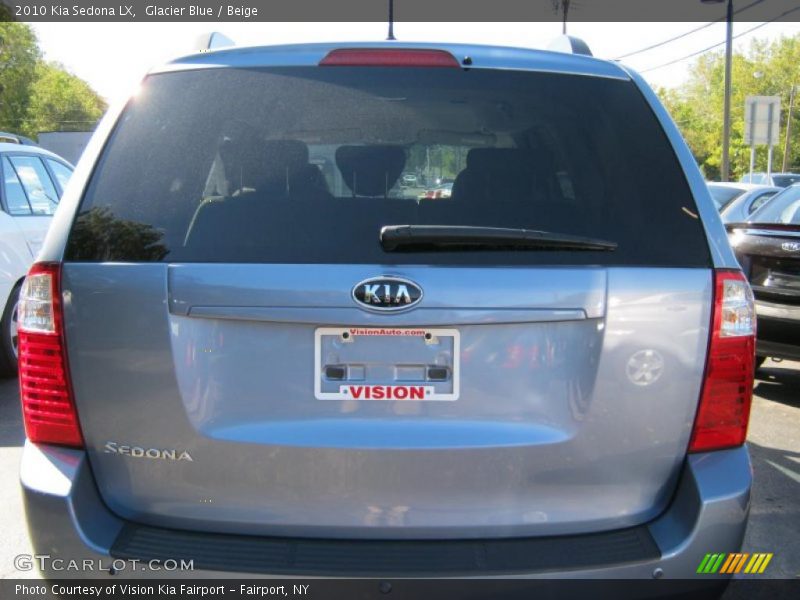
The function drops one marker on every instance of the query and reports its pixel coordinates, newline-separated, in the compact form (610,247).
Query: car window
(785,180)
(34,177)
(723,195)
(307,164)
(784,207)
(16,200)
(759,201)
(61,171)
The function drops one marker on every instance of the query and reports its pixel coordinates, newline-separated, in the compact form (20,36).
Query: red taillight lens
(48,407)
(724,410)
(392,57)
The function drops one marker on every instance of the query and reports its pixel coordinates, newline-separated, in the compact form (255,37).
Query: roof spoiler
(569,44)
(213,40)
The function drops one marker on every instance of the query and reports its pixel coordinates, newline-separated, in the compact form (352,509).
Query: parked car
(364,384)
(737,201)
(33,180)
(775,179)
(768,248)
(15,138)
(439,192)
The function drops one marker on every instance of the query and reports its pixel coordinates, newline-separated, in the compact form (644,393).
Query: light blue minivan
(231,355)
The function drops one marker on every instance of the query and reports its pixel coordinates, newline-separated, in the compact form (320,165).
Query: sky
(113,57)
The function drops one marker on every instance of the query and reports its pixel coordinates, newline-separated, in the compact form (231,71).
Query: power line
(691,31)
(672,39)
(738,35)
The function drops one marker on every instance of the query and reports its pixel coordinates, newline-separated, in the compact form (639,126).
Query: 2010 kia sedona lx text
(248,343)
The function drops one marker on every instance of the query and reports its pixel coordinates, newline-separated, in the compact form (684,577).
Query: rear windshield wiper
(427,238)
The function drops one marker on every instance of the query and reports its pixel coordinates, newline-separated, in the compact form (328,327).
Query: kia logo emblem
(791,246)
(387,293)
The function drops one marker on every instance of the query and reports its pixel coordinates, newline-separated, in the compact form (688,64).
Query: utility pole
(562,6)
(391,21)
(726,116)
(786,145)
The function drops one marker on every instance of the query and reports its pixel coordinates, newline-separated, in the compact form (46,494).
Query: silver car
(229,357)
(737,201)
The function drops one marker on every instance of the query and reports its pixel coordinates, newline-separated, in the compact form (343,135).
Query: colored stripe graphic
(703,563)
(733,562)
(765,563)
(711,563)
(758,563)
(740,564)
(730,563)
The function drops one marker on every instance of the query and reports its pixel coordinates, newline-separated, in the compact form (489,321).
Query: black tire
(8,352)
(759,361)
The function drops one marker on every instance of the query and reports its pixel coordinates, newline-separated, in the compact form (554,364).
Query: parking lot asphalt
(774,441)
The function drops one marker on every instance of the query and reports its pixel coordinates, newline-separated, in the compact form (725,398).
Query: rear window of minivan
(307,164)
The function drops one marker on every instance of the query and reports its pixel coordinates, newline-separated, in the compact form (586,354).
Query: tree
(40,96)
(5,13)
(19,55)
(766,69)
(61,101)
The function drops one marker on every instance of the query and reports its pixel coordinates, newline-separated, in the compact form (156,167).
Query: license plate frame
(444,342)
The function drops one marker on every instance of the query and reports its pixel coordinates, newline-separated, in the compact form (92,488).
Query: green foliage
(437,160)
(40,96)
(19,55)
(62,102)
(5,13)
(766,69)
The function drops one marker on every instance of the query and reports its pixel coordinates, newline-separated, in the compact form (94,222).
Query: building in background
(69,144)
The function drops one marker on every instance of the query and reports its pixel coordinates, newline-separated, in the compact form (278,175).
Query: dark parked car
(768,249)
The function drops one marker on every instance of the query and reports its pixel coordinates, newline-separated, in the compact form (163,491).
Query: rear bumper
(67,520)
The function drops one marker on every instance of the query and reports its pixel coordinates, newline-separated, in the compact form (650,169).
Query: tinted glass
(785,180)
(297,165)
(760,201)
(61,171)
(16,200)
(782,208)
(38,186)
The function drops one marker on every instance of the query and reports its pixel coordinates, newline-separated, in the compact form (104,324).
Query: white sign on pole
(762,116)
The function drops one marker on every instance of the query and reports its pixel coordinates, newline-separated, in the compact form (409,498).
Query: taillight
(48,406)
(388,57)
(724,409)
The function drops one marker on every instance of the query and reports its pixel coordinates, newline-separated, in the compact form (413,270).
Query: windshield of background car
(781,208)
(306,164)
(723,195)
